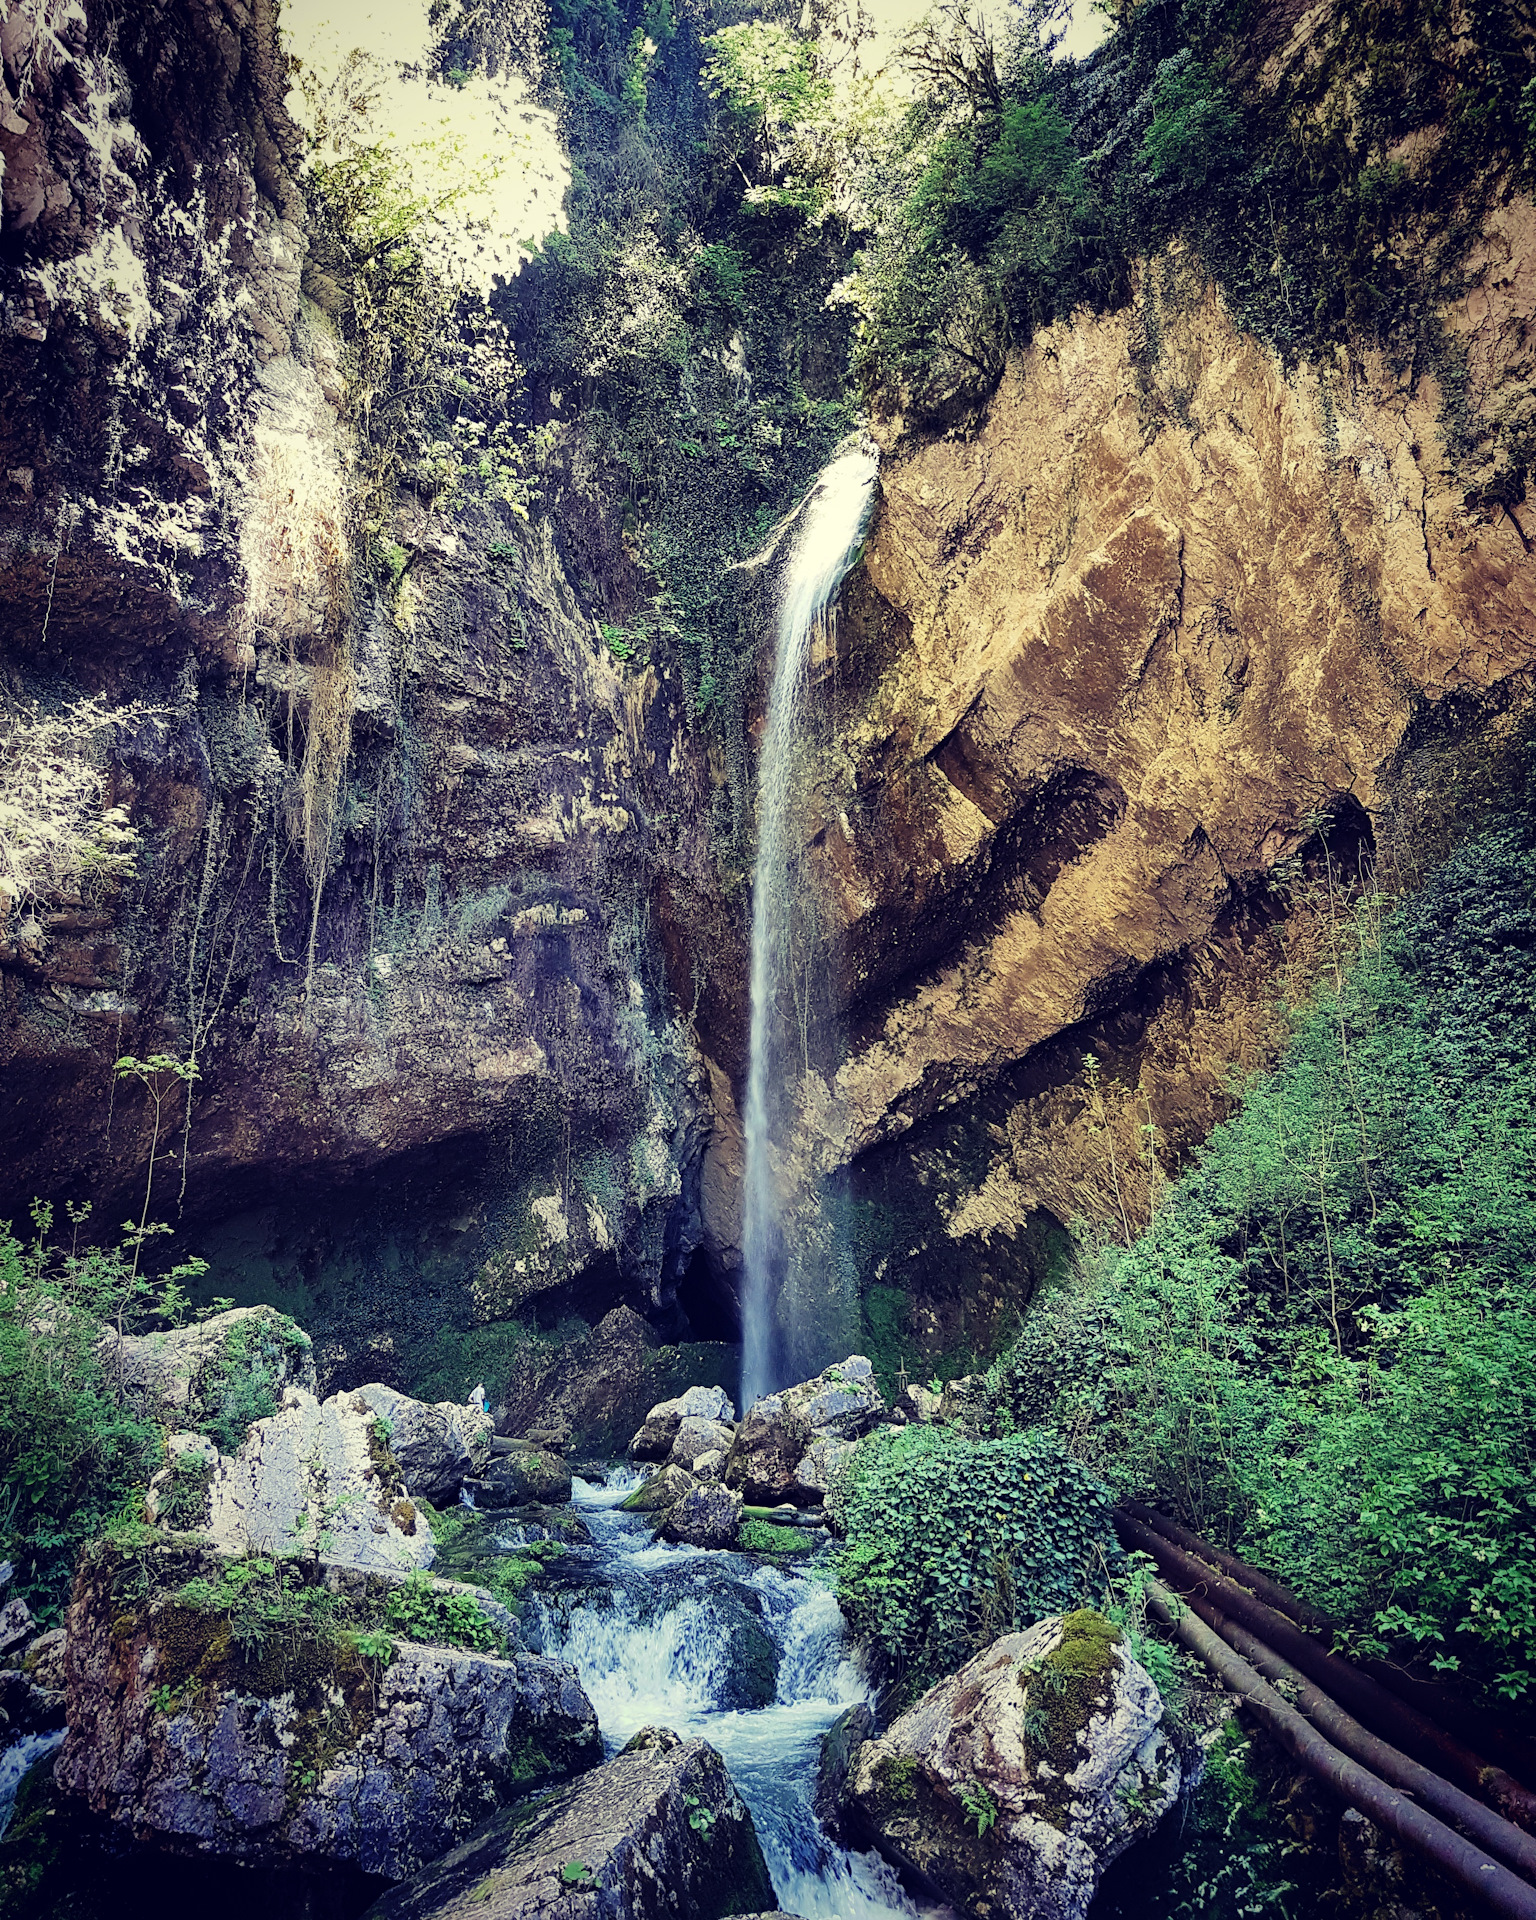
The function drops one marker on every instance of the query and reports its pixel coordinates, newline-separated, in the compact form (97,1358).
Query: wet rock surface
(524,1473)
(660,1830)
(706,1515)
(1055,1735)
(302,1750)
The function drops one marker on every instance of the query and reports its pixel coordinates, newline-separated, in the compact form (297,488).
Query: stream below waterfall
(657,1640)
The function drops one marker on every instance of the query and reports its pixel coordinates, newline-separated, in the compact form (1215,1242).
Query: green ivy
(951,1543)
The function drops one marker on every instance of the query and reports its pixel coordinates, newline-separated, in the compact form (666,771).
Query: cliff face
(1159,628)
(1124,656)
(471,1014)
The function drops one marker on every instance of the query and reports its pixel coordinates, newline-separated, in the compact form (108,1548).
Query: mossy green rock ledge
(1012,1784)
(657,1833)
(300,1742)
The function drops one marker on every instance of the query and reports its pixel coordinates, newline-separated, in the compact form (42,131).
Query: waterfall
(831,525)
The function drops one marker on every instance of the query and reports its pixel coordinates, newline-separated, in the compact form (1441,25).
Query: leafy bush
(952,1542)
(419,1611)
(1323,1350)
(263,1599)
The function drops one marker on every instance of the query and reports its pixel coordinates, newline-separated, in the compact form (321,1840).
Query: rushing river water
(653,1648)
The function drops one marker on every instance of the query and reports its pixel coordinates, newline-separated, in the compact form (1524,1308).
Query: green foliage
(950,1543)
(374,1644)
(183,1501)
(243,1387)
(264,1599)
(575,1873)
(980,1808)
(700,1817)
(762,1536)
(71,1450)
(1323,1351)
(419,1611)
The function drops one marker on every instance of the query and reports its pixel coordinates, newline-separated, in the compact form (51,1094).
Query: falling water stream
(651,1640)
(827,535)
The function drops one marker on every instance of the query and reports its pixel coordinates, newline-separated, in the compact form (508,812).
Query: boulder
(438,1446)
(805,1427)
(705,1516)
(657,1832)
(303,1747)
(709,1466)
(521,1476)
(656,1435)
(27,1707)
(839,1746)
(16,1625)
(1012,1784)
(918,1405)
(318,1475)
(222,1372)
(177,1496)
(695,1437)
(662,1490)
(967,1405)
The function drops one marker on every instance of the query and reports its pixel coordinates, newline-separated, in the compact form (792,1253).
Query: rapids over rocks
(686,1638)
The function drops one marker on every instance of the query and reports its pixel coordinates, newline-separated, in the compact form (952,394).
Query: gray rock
(705,1516)
(661,1491)
(789,1442)
(26,1707)
(657,1833)
(196,1373)
(178,1495)
(709,1466)
(524,1474)
(839,1746)
(695,1437)
(659,1431)
(438,1446)
(1055,1733)
(967,1405)
(918,1405)
(307,1752)
(318,1475)
(16,1624)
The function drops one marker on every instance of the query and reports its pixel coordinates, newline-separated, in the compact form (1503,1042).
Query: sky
(489,127)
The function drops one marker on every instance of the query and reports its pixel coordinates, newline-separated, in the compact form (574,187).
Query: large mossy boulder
(659,1430)
(218,1375)
(230,1710)
(524,1475)
(658,1832)
(790,1443)
(1012,1784)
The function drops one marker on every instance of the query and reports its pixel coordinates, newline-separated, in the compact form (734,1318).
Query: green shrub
(419,1611)
(1323,1351)
(951,1543)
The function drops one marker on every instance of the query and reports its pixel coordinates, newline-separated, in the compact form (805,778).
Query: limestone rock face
(1054,1736)
(186,1374)
(318,1475)
(304,1753)
(790,1442)
(438,1447)
(618,1844)
(705,1516)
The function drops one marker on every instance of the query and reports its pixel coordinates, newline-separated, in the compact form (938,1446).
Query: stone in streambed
(522,1475)
(1051,1738)
(706,1515)
(660,1491)
(655,1437)
(789,1442)
(658,1832)
(696,1437)
(839,1748)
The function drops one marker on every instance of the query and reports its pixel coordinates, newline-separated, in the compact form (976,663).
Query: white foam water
(16,1762)
(650,1653)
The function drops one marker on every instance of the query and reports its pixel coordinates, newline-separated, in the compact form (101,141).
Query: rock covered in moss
(438,1445)
(224,1371)
(1013,1783)
(659,1831)
(319,1474)
(660,1491)
(839,1748)
(522,1474)
(789,1443)
(306,1746)
(706,1516)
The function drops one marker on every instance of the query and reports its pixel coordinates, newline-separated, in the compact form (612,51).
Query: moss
(761,1536)
(403,1513)
(1067,1688)
(896,1778)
